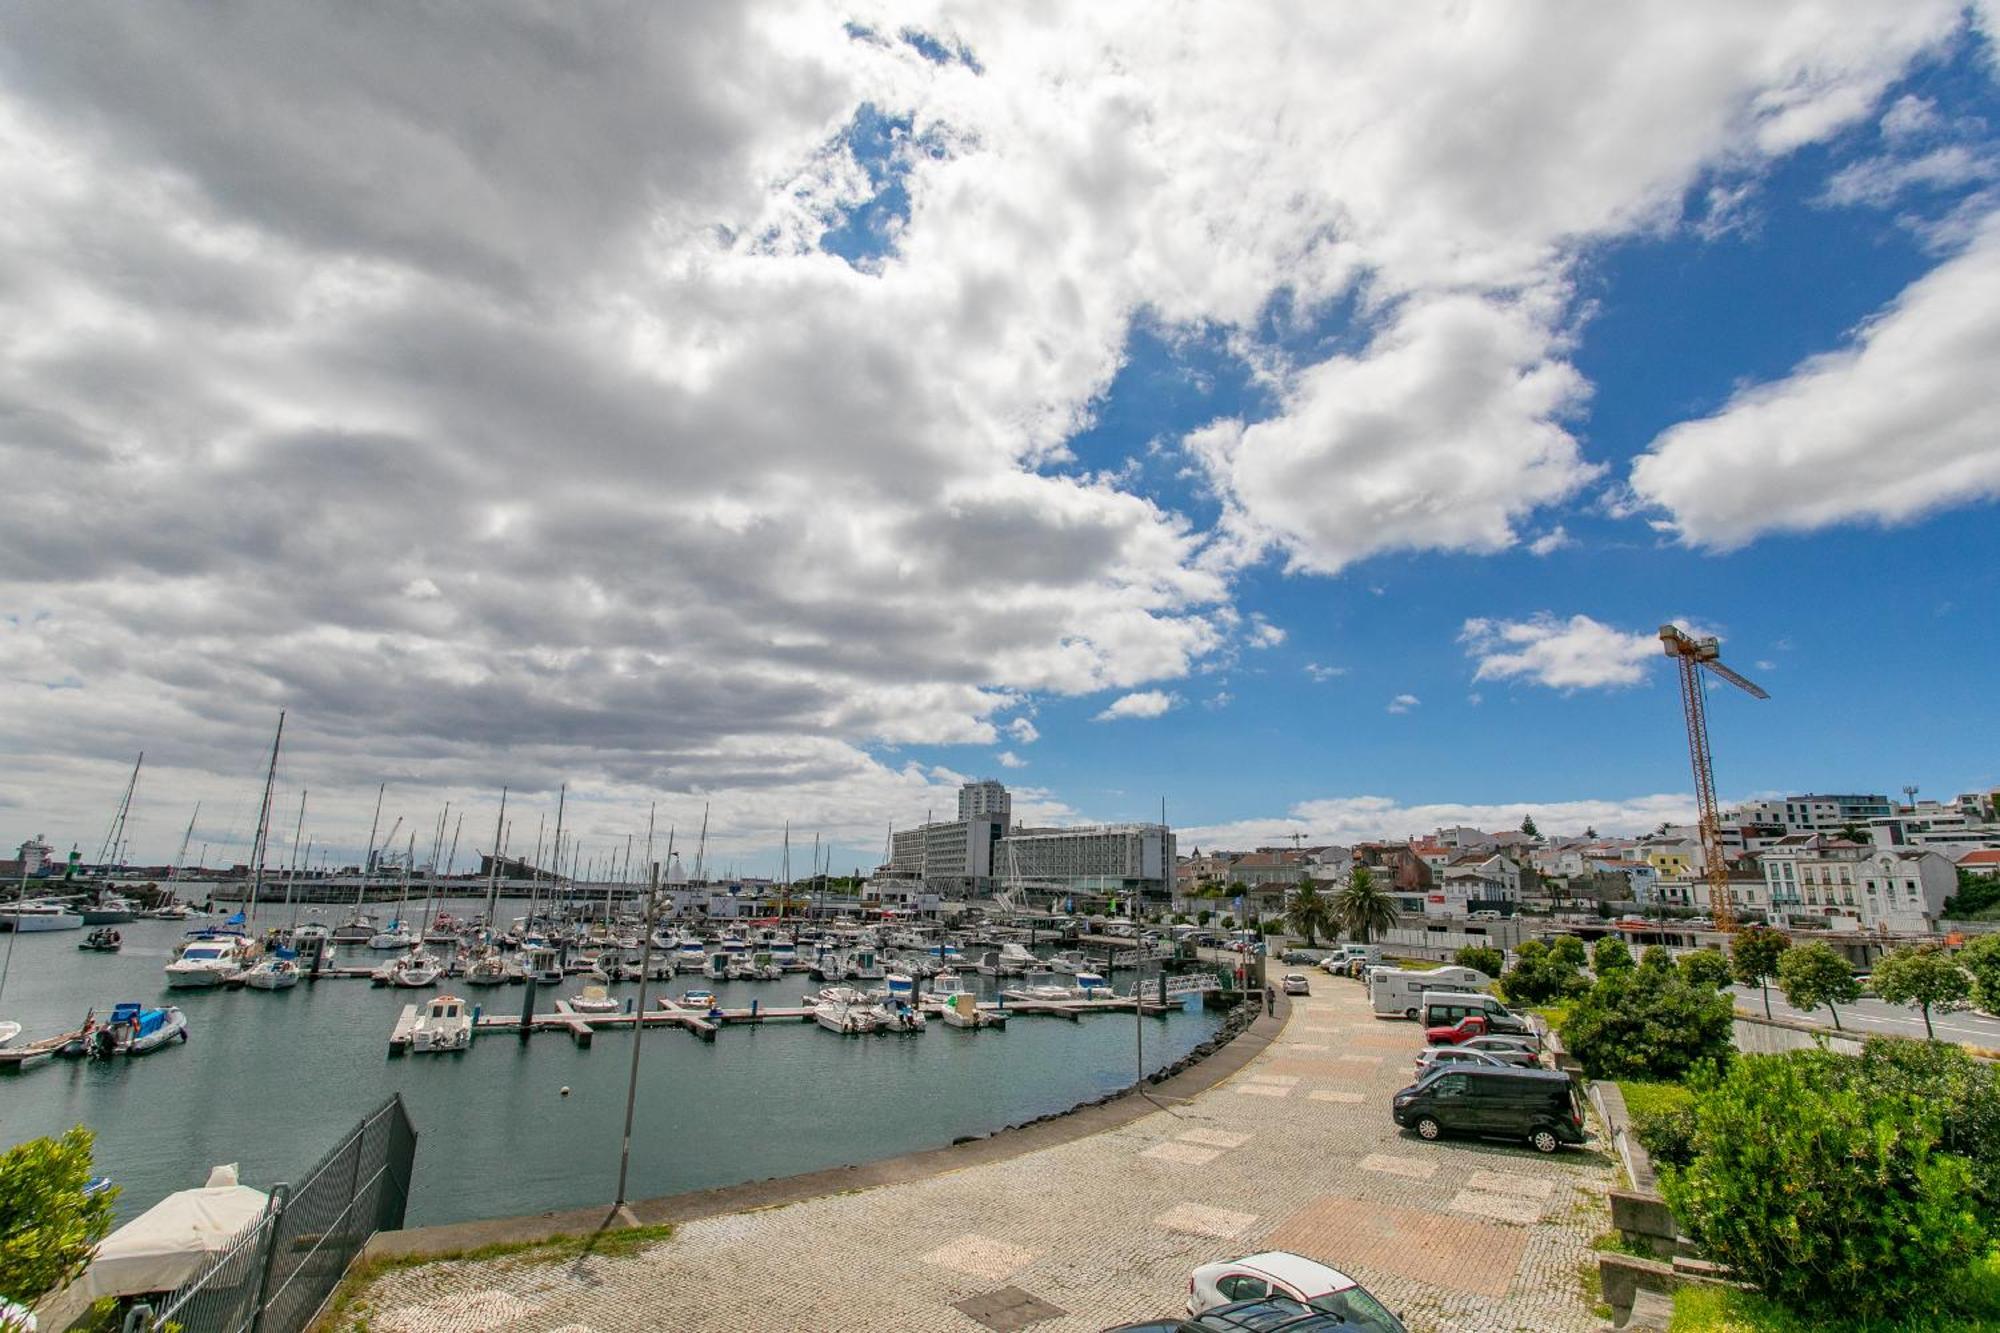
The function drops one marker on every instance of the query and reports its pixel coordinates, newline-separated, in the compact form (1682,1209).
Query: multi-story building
(1904,890)
(985,799)
(1109,858)
(951,855)
(1813,813)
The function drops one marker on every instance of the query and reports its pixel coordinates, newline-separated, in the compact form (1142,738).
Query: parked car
(1296,984)
(1535,1105)
(1501,1043)
(1275,1314)
(1451,1034)
(1433,1057)
(1277,1276)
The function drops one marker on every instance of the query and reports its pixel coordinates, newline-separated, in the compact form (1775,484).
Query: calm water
(269,1080)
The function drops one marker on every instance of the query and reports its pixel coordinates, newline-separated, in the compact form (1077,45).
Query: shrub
(1203,917)
(1481,958)
(1827,1197)
(1706,967)
(1569,949)
(1662,1119)
(1541,974)
(1648,1022)
(49,1227)
(1963,1092)
(1610,955)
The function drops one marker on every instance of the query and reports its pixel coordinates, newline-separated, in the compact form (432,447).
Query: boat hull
(205,978)
(36,923)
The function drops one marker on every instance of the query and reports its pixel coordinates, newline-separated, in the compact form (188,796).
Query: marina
(516,1118)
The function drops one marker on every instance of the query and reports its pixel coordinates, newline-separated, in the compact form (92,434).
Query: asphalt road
(1875,1016)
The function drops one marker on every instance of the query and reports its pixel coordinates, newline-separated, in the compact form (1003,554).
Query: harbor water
(270,1079)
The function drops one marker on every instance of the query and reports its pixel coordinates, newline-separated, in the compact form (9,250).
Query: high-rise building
(987,798)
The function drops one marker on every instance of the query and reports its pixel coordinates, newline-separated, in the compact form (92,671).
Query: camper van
(1397,993)
(1441,1008)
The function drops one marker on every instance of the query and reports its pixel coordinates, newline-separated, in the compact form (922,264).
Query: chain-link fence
(278,1272)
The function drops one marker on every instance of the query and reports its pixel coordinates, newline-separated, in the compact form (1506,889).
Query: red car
(1472,1025)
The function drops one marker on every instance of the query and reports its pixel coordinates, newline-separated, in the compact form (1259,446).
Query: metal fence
(278,1272)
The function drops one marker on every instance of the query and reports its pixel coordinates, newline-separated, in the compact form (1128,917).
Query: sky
(1298,418)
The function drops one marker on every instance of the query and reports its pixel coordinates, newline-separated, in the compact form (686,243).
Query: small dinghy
(102,940)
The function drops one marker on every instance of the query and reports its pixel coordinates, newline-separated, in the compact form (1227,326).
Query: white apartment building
(1812,813)
(953,855)
(1112,858)
(1904,890)
(988,799)
(1898,890)
(1474,883)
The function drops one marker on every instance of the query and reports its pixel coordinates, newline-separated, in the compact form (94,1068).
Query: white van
(1397,993)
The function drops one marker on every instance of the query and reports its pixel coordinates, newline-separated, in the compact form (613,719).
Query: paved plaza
(1295,1151)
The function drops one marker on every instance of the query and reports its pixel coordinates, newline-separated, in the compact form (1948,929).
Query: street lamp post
(638,1029)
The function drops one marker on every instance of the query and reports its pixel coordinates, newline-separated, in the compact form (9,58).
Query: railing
(279,1271)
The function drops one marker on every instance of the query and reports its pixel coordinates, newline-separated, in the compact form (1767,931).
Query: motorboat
(690,956)
(1092,986)
(961,1010)
(1070,962)
(865,965)
(1040,986)
(900,1016)
(209,960)
(490,970)
(716,966)
(594,1000)
(37,916)
(543,964)
(277,971)
(848,1019)
(109,910)
(8,1031)
(444,1024)
(102,940)
(1014,960)
(898,988)
(414,970)
(358,929)
(132,1029)
(703,1000)
(173,911)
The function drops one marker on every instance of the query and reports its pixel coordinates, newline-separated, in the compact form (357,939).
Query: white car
(1275,1273)
(1295,983)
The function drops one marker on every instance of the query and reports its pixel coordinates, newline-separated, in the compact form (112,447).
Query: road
(1876,1016)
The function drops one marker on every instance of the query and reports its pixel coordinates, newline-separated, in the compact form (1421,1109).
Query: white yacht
(594,1000)
(397,936)
(31,917)
(279,971)
(209,960)
(542,963)
(8,1031)
(490,970)
(848,1018)
(444,1024)
(413,971)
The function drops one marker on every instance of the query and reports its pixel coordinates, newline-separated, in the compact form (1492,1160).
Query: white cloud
(1551,541)
(1909,115)
(1023,731)
(1143,703)
(1403,703)
(1578,653)
(1878,181)
(1008,759)
(1322,674)
(1901,423)
(1347,819)
(1263,634)
(1221,699)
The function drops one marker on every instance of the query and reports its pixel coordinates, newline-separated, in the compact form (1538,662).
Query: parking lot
(1295,1151)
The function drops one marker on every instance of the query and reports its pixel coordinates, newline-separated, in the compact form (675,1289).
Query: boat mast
(361,894)
(555,889)
(785,874)
(291,878)
(260,846)
(701,850)
(180,857)
(116,835)
(535,878)
(403,902)
(430,881)
(493,866)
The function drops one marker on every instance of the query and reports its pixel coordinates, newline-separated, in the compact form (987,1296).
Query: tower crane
(1691,657)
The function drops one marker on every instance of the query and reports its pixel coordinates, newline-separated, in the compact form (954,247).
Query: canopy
(159,1249)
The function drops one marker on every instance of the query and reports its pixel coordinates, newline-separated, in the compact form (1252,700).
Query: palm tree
(1309,913)
(1361,908)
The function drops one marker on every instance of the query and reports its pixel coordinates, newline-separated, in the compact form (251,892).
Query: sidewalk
(1294,1151)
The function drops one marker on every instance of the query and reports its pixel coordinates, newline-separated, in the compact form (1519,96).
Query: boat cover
(157,1250)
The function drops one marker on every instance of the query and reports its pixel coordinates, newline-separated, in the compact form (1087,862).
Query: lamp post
(639,1026)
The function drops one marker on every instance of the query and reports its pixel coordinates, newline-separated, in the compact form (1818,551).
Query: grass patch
(349,1309)
(1552,1014)
(1974,1297)
(1416,964)
(1644,1099)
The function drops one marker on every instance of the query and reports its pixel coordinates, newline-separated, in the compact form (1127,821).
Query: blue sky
(787,411)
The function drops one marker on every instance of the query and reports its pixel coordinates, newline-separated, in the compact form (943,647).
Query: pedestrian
(1270,999)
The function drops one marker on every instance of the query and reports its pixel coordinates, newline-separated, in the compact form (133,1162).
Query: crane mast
(1691,657)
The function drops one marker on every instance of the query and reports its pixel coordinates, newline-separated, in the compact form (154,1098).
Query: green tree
(1812,975)
(1923,975)
(1481,958)
(49,1227)
(1203,917)
(1977,894)
(1569,950)
(1309,913)
(1543,973)
(1361,909)
(1833,1198)
(1981,959)
(1754,956)
(1648,1022)
(1528,826)
(1610,955)
(1706,967)
(1853,832)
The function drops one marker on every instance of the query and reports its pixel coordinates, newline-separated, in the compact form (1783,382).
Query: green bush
(49,1227)
(1662,1119)
(1706,967)
(1830,1197)
(1543,973)
(1569,949)
(1203,917)
(1481,958)
(1649,1023)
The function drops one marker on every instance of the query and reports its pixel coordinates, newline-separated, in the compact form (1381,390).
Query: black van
(1538,1105)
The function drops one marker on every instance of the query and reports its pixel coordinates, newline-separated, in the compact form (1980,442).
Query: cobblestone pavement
(1295,1152)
